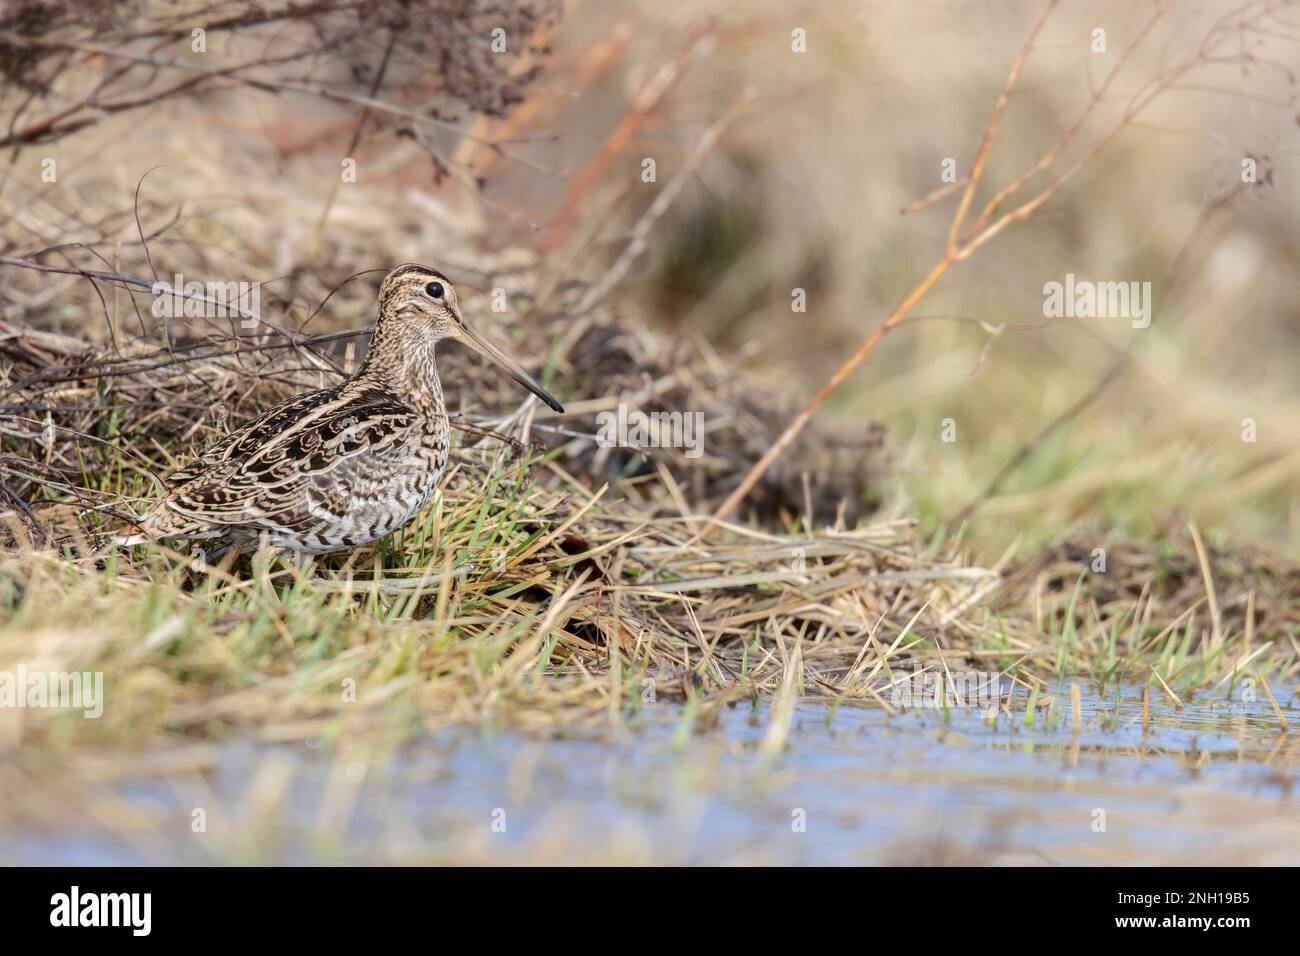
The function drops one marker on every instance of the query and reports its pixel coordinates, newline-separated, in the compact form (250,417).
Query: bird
(340,467)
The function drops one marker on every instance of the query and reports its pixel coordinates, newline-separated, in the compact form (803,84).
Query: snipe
(343,466)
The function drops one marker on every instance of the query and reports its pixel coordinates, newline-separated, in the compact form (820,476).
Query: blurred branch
(641,231)
(294,340)
(362,36)
(1118,366)
(356,137)
(991,131)
(68,121)
(642,104)
(930,198)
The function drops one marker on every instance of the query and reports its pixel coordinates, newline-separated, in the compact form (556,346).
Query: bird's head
(421,299)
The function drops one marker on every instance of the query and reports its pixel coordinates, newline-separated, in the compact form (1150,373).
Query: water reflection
(1212,782)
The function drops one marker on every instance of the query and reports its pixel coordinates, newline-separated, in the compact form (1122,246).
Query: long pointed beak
(484,347)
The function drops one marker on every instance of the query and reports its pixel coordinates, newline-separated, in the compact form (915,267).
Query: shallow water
(1214,782)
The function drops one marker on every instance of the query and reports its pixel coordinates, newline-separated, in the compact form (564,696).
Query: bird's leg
(304,562)
(222,557)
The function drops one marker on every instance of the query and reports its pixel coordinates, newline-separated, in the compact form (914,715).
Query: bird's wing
(262,478)
(245,440)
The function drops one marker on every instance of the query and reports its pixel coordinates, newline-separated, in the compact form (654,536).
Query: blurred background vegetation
(805,190)
(808,192)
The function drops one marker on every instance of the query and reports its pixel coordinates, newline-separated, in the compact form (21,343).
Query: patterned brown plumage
(339,467)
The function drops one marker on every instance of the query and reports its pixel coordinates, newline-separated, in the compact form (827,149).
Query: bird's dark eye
(434,289)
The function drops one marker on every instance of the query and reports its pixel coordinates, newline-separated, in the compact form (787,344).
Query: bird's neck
(401,361)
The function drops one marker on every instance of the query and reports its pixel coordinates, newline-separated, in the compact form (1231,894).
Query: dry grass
(551,589)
